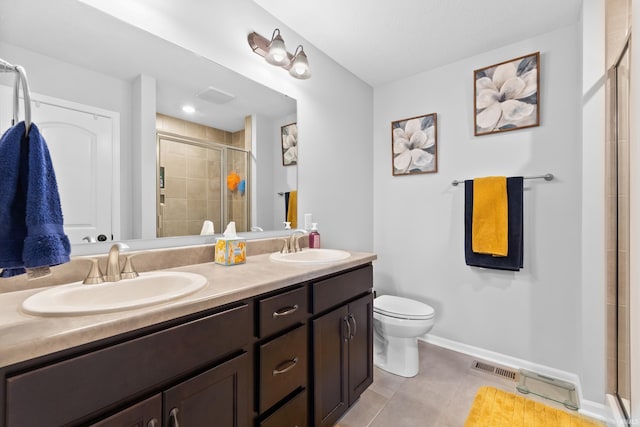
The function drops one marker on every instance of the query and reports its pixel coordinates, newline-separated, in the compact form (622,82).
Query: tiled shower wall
(618,24)
(193,181)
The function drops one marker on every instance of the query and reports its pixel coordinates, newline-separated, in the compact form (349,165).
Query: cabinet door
(217,397)
(330,367)
(360,346)
(144,414)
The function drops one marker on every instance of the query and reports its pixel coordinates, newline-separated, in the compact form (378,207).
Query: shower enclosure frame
(224,170)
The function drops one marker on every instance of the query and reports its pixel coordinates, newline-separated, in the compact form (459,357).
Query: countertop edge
(27,337)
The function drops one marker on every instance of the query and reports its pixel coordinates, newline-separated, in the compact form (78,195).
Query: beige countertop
(24,336)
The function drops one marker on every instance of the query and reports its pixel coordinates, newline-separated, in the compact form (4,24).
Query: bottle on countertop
(314,236)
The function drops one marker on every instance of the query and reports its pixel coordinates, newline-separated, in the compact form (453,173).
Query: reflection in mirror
(86,62)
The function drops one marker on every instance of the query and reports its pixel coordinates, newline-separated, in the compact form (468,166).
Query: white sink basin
(310,256)
(147,289)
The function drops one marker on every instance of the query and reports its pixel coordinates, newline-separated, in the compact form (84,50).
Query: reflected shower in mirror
(91,66)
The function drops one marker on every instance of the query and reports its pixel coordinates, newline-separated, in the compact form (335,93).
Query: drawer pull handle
(173,417)
(345,319)
(288,365)
(153,423)
(355,326)
(285,311)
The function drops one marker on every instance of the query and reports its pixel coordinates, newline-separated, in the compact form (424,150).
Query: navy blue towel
(515,255)
(31,223)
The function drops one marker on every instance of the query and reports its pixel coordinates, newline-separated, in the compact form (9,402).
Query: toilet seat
(402,308)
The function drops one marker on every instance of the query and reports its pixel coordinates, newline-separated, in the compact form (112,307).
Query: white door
(81,144)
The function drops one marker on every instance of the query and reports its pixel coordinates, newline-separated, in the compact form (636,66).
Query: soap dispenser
(314,236)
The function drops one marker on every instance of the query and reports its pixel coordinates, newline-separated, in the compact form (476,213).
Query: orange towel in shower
(490,226)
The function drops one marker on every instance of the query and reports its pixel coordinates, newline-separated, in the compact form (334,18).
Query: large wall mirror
(99,84)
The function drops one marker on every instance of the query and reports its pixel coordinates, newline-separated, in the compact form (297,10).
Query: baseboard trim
(587,407)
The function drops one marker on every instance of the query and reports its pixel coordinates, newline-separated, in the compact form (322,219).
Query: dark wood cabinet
(330,367)
(147,413)
(360,346)
(292,414)
(342,358)
(292,358)
(218,394)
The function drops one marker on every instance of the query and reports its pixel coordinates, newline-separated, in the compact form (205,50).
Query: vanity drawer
(338,289)
(282,310)
(283,367)
(84,385)
(292,414)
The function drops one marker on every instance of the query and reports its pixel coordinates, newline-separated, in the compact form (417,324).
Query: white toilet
(398,322)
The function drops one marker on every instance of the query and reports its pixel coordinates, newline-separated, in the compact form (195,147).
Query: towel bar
(546,177)
(21,79)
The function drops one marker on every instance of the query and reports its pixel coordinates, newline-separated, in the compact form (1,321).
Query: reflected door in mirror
(80,140)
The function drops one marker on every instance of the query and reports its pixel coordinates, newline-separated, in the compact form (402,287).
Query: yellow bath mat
(497,408)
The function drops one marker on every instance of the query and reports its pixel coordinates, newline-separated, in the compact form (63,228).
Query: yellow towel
(493,407)
(292,211)
(490,226)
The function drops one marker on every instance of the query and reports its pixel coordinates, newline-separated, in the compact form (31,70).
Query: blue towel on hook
(515,254)
(31,223)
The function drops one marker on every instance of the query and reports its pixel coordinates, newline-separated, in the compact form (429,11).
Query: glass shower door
(622,127)
(237,197)
(190,187)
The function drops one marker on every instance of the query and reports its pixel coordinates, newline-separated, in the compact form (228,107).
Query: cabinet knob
(173,417)
(286,366)
(285,311)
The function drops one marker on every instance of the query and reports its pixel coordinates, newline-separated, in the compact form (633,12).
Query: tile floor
(441,394)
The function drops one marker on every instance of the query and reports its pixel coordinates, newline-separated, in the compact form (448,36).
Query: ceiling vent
(215,96)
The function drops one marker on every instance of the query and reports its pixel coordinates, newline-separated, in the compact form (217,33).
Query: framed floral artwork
(507,95)
(414,145)
(289,134)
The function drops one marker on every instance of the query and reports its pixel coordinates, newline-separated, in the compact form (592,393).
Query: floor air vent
(494,370)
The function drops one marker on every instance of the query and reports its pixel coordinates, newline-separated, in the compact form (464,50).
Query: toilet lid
(403,308)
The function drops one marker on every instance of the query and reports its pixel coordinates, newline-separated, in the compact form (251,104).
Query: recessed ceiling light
(188,109)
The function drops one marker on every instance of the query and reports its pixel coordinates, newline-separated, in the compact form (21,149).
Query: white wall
(270,177)
(533,314)
(285,178)
(334,107)
(51,77)
(593,319)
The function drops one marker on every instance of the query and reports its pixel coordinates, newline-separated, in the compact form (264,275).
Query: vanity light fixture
(300,65)
(275,53)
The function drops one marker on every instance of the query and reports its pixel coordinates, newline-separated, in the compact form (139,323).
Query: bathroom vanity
(263,344)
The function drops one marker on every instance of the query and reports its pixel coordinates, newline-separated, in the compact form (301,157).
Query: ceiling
(78,34)
(383,41)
